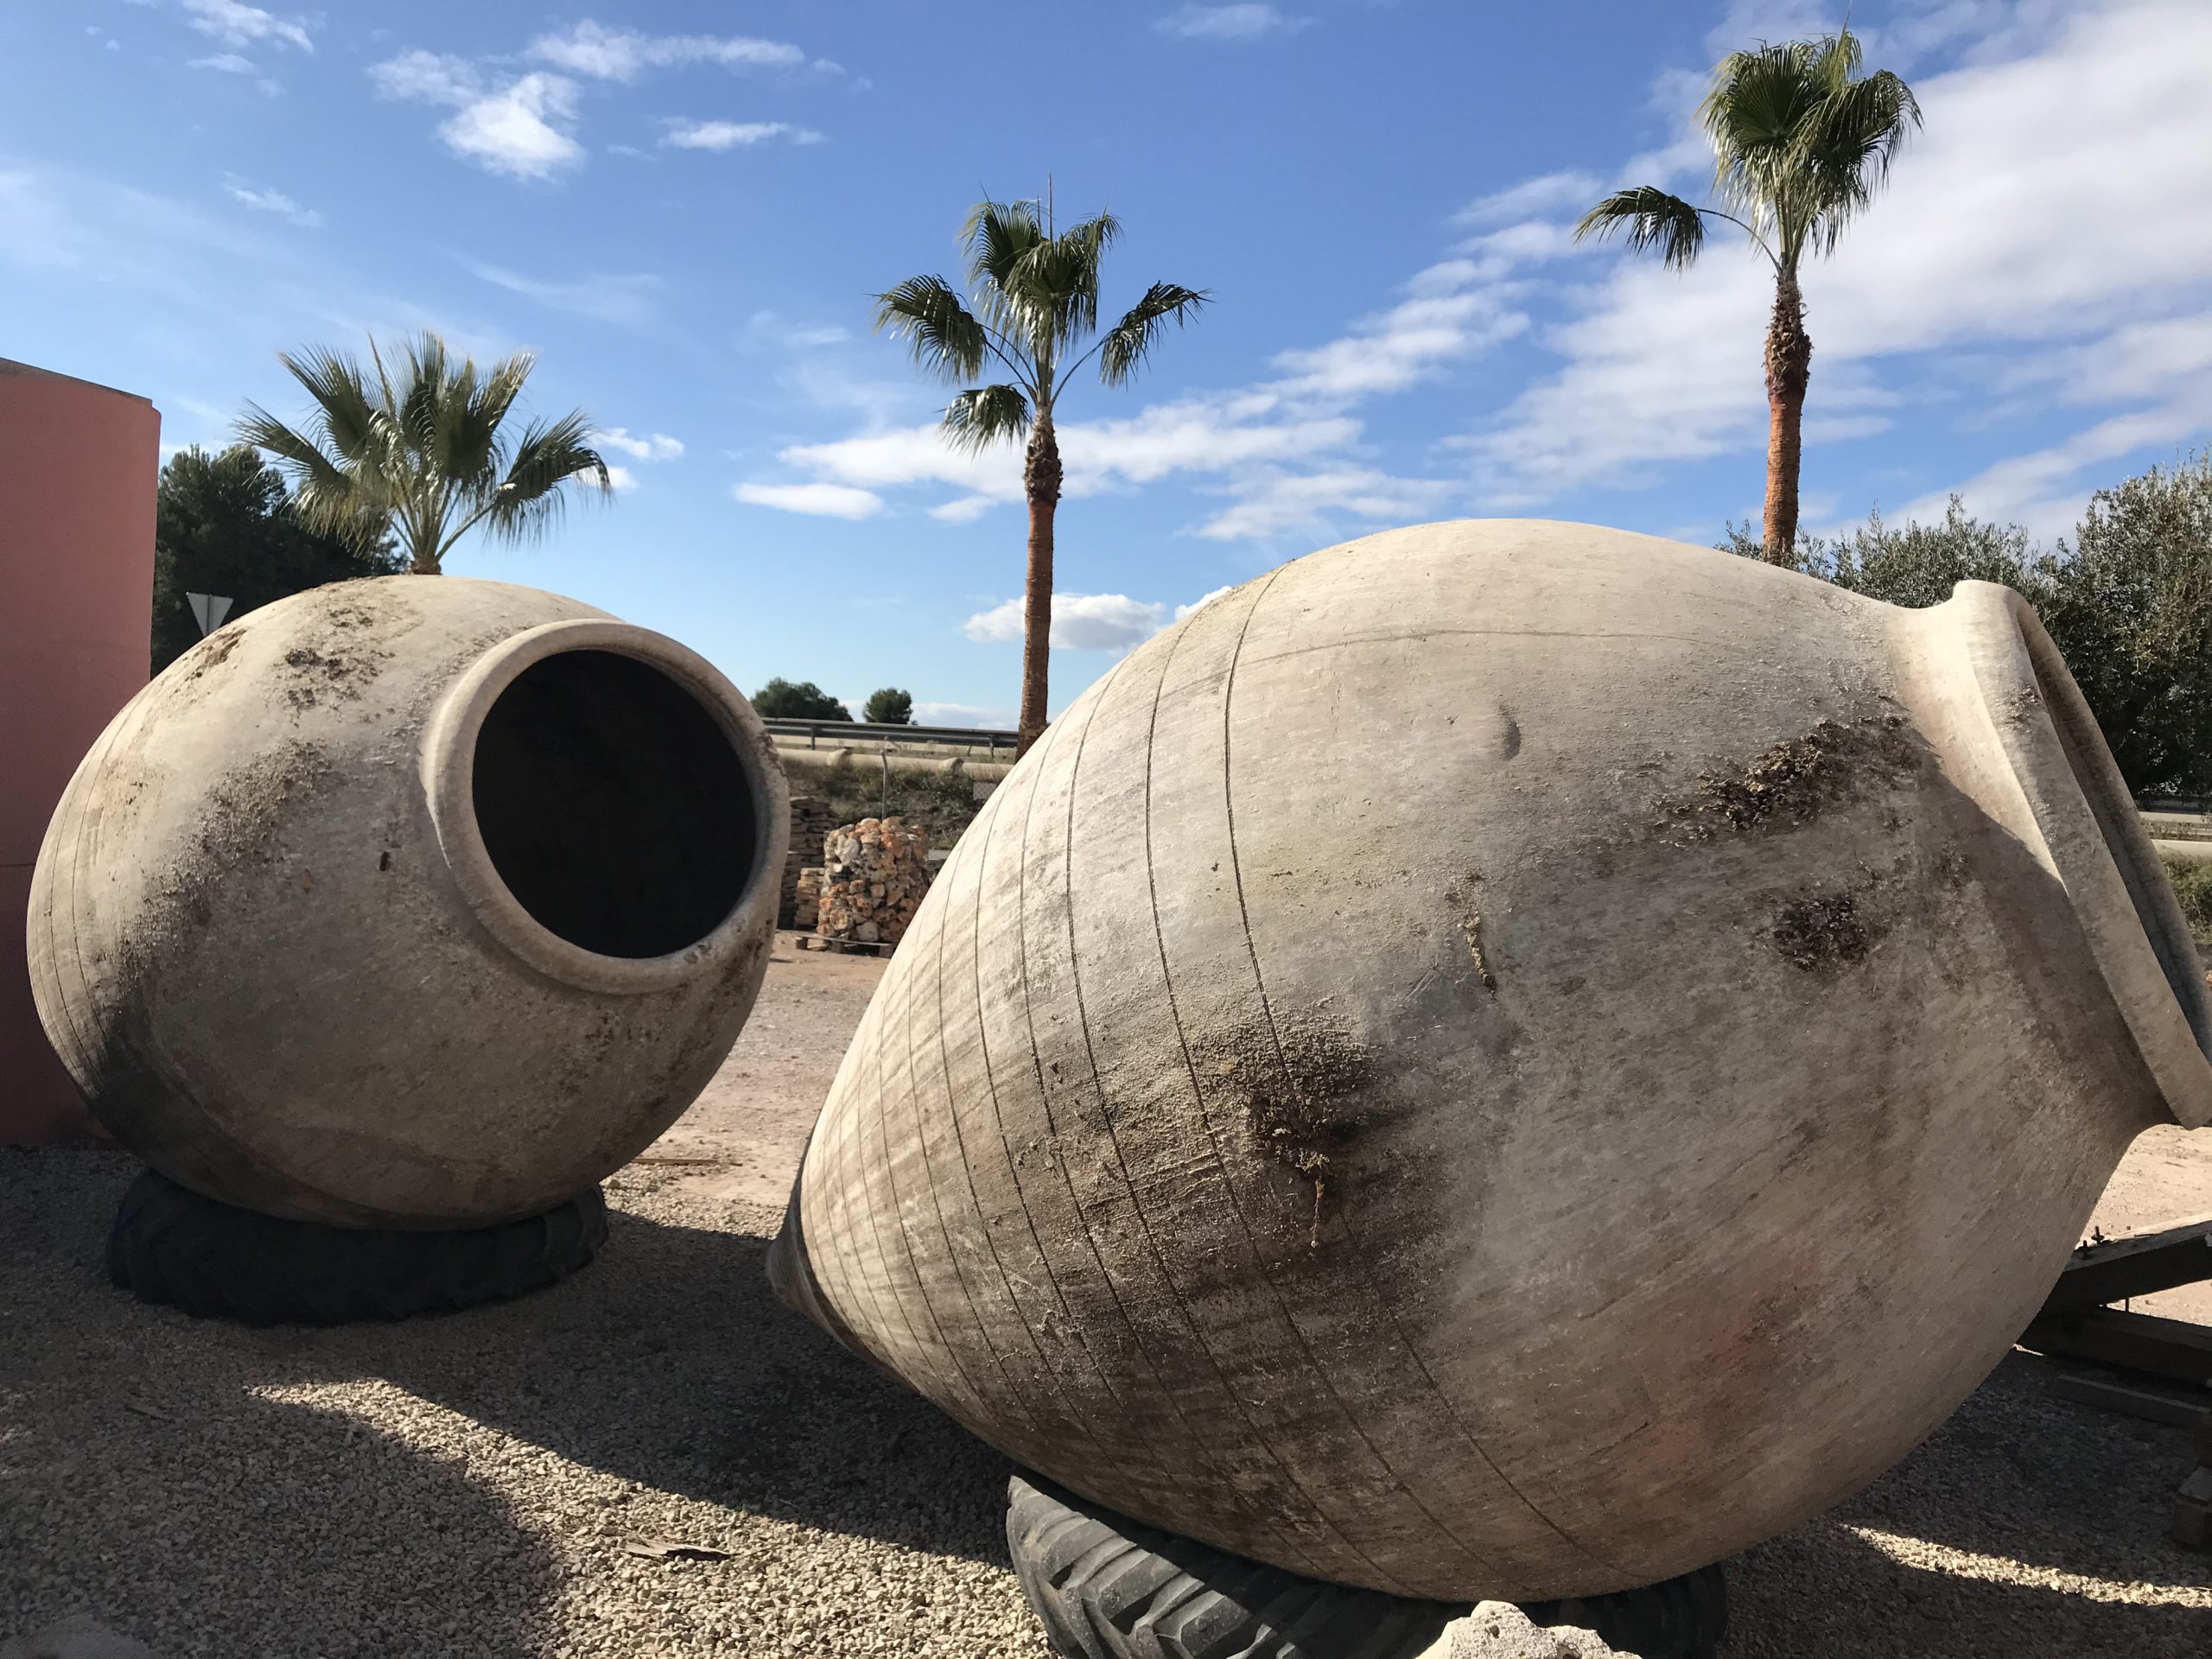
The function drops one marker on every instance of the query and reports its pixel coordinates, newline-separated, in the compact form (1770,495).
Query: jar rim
(448,762)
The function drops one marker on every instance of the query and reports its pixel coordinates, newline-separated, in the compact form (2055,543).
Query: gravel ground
(466,1486)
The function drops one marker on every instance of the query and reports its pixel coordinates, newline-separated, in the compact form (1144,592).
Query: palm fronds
(416,446)
(1033,297)
(1653,219)
(1128,343)
(982,415)
(928,314)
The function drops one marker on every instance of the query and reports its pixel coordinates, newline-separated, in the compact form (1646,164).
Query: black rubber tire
(218,1261)
(1105,1587)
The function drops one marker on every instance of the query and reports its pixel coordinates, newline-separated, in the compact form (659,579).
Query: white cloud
(1236,22)
(2033,215)
(271,201)
(626,301)
(517,129)
(1283,504)
(818,500)
(963,713)
(619,476)
(650,445)
(1203,600)
(1080,621)
(513,132)
(237,25)
(523,126)
(1548,193)
(591,49)
(963,509)
(733,135)
(226,63)
(427,78)
(1390,352)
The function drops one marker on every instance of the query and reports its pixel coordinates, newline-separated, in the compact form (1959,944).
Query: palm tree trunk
(1040,482)
(1789,364)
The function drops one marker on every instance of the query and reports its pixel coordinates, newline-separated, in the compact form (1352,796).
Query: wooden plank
(2134,1342)
(2132,1400)
(2102,1273)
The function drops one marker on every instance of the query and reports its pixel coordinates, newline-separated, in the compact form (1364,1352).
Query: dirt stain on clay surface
(1301,1084)
(1820,931)
(337,658)
(1793,782)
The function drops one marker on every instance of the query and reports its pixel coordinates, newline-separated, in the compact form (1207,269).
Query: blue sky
(685,208)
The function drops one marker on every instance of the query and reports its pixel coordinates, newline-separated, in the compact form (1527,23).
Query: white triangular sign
(208,610)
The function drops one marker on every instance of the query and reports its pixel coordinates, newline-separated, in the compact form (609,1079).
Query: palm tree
(1035,296)
(1801,143)
(415,450)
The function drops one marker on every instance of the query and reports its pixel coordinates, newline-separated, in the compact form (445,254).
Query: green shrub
(2192,880)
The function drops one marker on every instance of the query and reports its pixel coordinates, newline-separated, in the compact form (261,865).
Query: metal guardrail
(855,733)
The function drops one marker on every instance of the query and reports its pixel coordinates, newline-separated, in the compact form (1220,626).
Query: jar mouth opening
(605,804)
(2097,845)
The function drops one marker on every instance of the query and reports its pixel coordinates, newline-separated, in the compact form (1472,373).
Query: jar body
(293,966)
(1502,1059)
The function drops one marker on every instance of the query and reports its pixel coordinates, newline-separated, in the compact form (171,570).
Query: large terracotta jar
(415,903)
(1507,1059)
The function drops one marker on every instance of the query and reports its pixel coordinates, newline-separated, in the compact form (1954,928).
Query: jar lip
(2096,842)
(448,763)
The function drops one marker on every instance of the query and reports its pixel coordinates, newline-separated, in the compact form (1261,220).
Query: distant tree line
(2128,600)
(781,699)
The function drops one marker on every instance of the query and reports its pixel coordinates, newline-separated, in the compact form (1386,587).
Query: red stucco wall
(77,468)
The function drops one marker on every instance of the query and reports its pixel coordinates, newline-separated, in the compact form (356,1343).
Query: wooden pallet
(2078,1322)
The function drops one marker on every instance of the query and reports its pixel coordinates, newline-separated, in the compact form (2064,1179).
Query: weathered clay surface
(1545,1167)
(419,902)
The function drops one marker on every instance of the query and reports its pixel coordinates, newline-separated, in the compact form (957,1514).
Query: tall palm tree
(416,449)
(1035,296)
(1801,143)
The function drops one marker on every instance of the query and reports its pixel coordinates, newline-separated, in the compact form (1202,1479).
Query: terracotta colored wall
(78,467)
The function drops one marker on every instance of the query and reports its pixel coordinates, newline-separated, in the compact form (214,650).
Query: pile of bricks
(874,876)
(811,821)
(807,908)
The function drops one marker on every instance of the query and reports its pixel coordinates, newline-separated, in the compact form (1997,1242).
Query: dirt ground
(743,1137)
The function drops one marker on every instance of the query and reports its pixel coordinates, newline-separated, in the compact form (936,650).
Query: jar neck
(1994,695)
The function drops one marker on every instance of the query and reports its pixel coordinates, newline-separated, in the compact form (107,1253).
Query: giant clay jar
(419,902)
(1506,1059)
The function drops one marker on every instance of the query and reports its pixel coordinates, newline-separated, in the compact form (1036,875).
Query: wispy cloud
(2024,232)
(734,135)
(270,201)
(1236,22)
(648,445)
(1548,193)
(226,63)
(519,128)
(1080,621)
(628,300)
(817,500)
(524,125)
(591,49)
(237,25)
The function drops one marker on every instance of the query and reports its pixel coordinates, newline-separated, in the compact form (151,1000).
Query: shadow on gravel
(2042,1489)
(1824,1593)
(147,1480)
(668,1361)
